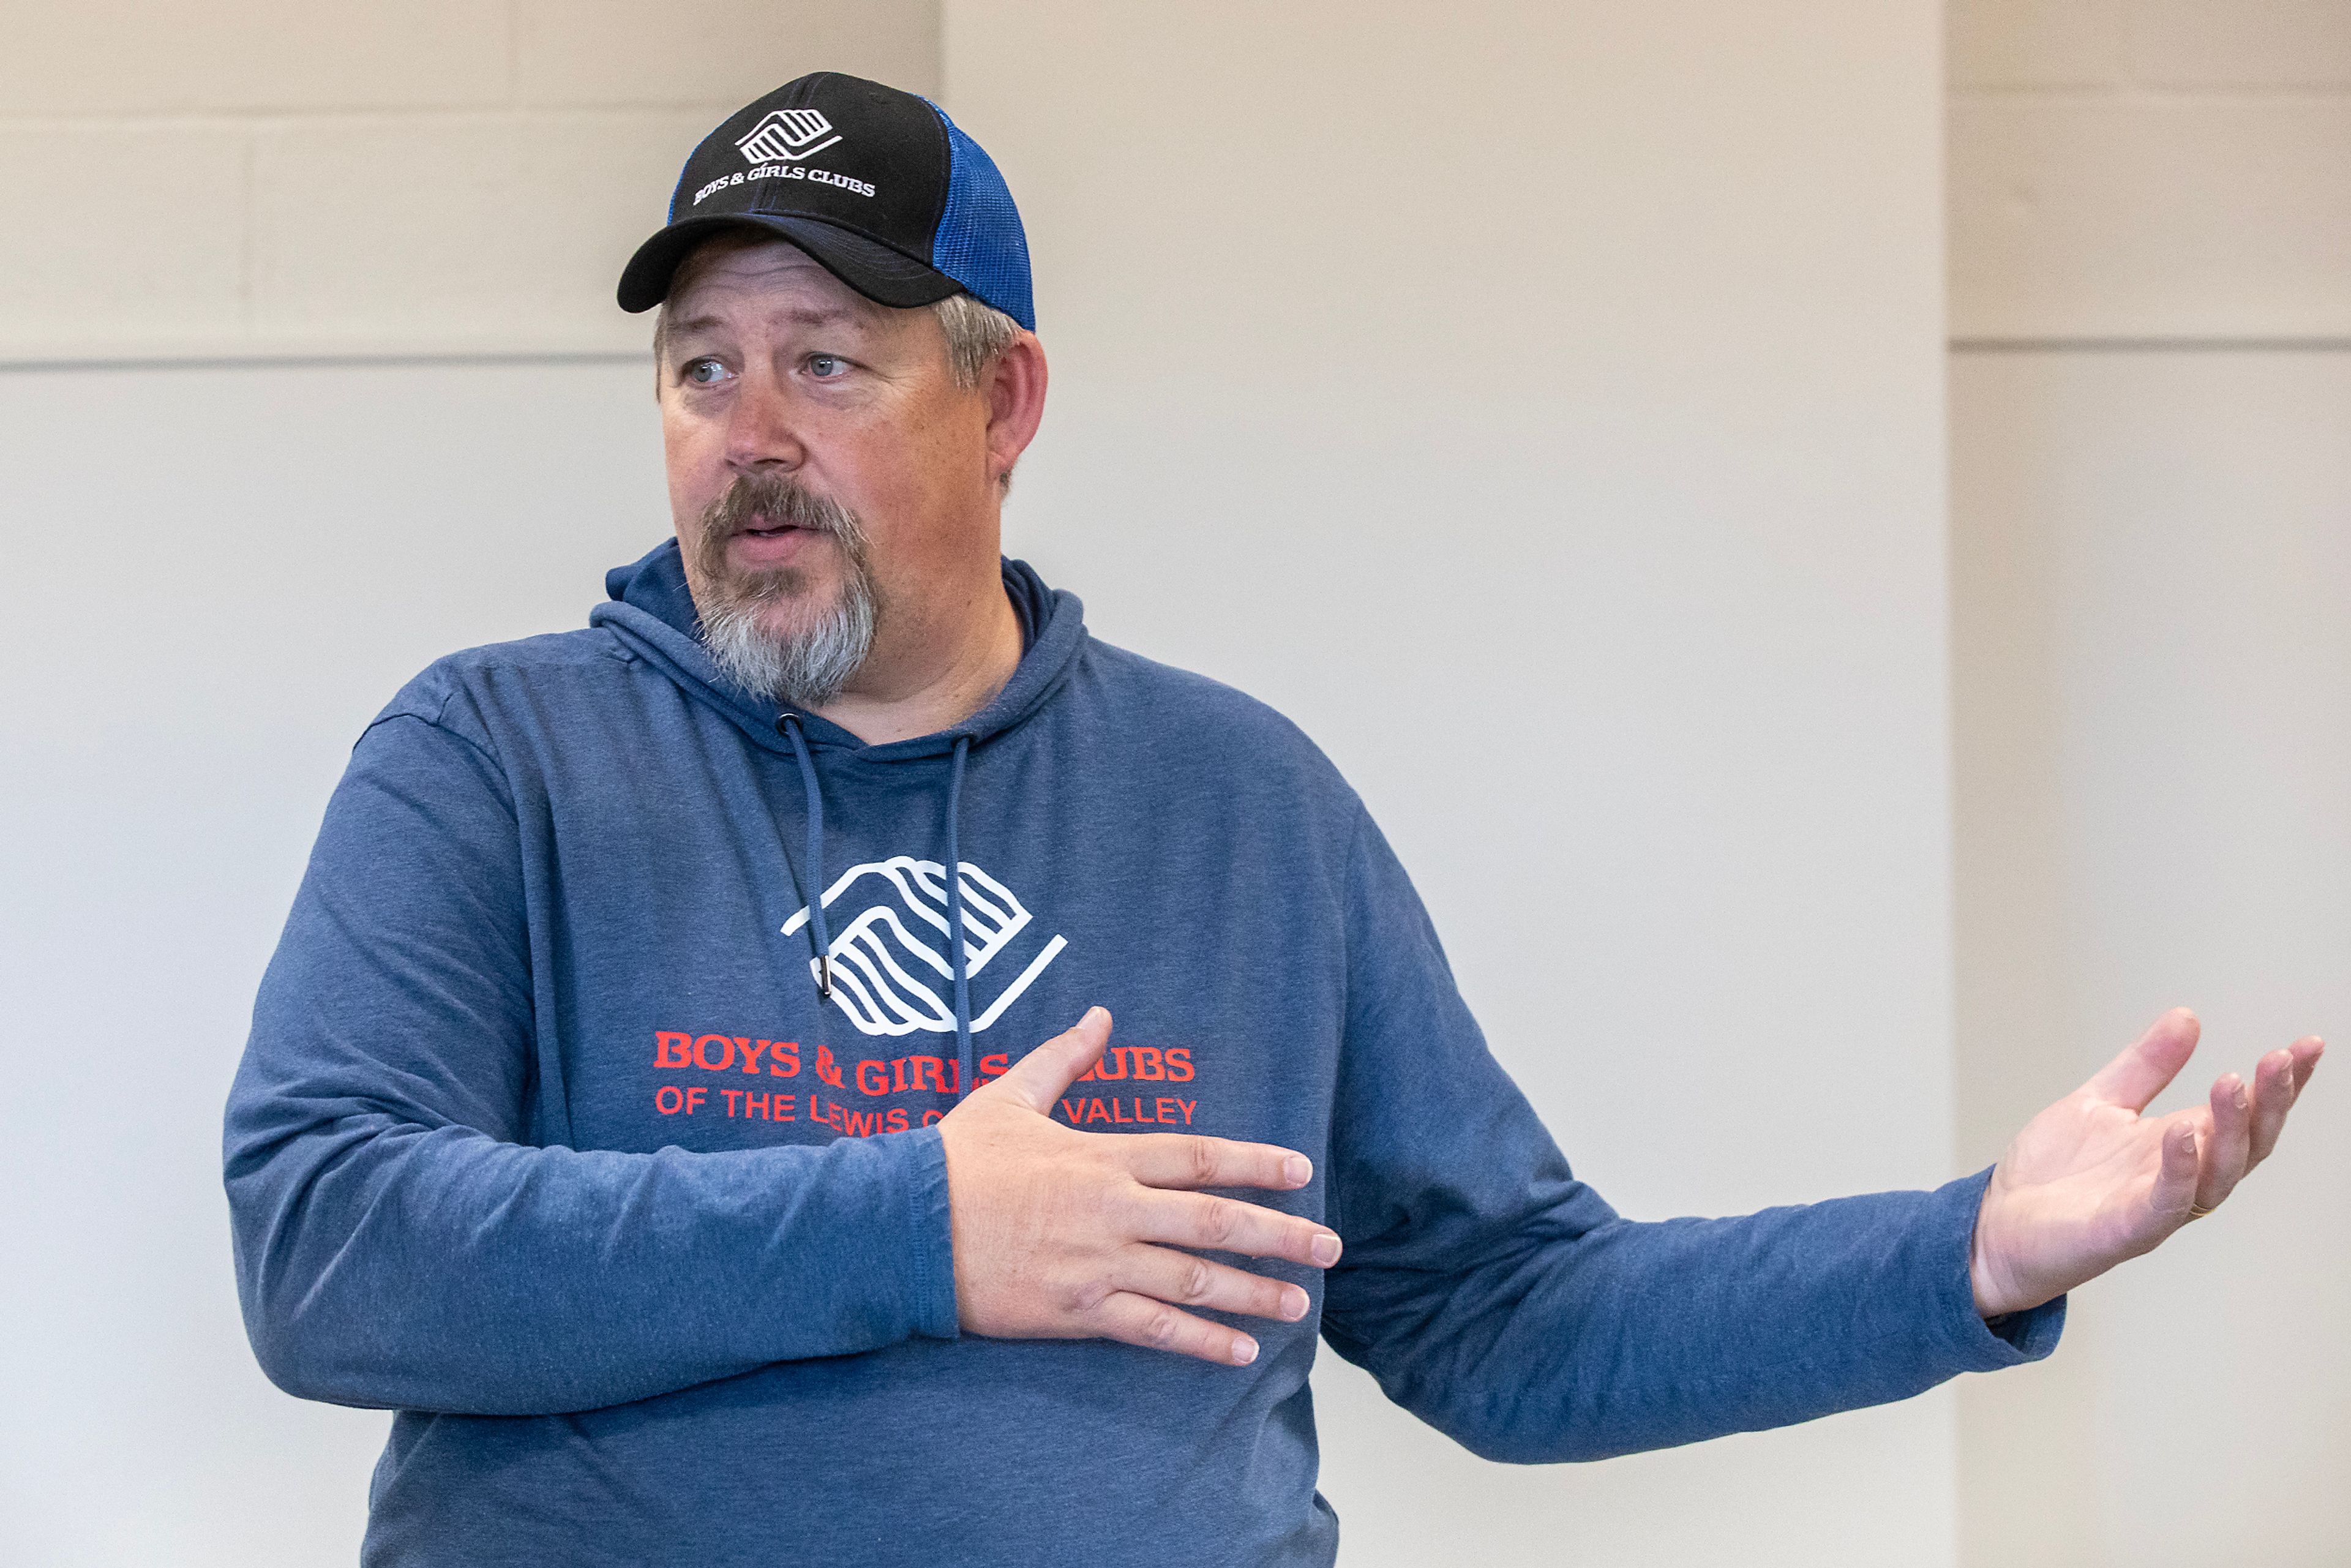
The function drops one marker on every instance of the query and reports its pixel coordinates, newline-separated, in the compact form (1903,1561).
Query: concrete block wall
(2150,169)
(263,178)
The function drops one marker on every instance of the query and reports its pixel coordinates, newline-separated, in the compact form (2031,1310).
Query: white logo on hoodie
(891,977)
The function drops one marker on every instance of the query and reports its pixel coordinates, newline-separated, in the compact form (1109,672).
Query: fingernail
(1294,1304)
(1244,1351)
(1298,1169)
(1325,1250)
(2241,1099)
(1092,1013)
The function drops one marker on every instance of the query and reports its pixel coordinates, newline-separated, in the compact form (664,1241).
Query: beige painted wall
(2151,282)
(2148,168)
(261,177)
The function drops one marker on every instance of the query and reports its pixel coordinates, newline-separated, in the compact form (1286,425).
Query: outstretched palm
(2091,1181)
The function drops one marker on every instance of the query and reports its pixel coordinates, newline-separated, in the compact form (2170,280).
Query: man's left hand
(2090,1181)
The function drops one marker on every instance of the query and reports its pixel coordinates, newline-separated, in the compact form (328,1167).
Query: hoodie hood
(651,609)
(653,613)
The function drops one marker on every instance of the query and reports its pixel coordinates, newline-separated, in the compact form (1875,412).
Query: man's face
(822,463)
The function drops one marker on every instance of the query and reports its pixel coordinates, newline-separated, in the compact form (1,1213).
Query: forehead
(733,275)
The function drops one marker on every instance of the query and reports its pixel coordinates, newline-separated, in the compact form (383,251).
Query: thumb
(2140,1072)
(1038,1079)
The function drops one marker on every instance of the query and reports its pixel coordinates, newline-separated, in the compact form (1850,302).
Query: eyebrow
(800,316)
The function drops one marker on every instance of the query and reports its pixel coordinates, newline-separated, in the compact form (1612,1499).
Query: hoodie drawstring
(820,936)
(819,939)
(957,957)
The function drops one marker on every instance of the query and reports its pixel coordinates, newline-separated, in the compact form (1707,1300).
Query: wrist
(1994,1298)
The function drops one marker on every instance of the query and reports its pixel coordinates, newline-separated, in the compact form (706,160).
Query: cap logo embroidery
(785,137)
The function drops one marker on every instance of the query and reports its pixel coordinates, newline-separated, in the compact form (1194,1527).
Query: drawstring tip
(824,978)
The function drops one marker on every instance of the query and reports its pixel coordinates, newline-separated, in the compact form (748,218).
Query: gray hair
(978,336)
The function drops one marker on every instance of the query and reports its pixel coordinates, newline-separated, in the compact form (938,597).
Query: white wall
(2154,676)
(1542,404)
(2151,286)
(218,577)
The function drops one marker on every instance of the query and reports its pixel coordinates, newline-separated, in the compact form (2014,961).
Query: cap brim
(871,268)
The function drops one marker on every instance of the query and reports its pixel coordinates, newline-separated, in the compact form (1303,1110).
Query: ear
(1014,390)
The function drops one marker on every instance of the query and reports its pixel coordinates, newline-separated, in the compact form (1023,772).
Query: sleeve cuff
(1975,1344)
(932,1231)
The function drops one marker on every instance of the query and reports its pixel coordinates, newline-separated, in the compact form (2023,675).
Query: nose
(762,429)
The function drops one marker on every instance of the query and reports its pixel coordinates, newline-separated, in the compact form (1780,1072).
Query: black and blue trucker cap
(878,185)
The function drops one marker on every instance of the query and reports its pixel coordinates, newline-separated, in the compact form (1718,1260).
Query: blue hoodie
(570,1130)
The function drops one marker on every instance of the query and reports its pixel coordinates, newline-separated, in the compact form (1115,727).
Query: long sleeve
(1503,1301)
(401,1242)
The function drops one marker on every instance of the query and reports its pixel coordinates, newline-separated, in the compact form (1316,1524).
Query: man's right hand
(1061,1234)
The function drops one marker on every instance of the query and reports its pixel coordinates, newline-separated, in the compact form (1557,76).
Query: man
(646,1099)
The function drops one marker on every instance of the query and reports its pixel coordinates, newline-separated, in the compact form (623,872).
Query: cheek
(695,466)
(882,470)
(941,470)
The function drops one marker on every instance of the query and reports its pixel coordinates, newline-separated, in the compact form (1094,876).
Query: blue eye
(703,372)
(828,367)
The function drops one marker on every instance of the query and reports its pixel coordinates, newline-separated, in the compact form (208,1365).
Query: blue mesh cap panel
(980,243)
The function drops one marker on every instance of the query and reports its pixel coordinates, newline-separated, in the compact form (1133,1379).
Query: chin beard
(806,666)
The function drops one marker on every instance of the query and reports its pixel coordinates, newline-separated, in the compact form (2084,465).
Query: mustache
(777,500)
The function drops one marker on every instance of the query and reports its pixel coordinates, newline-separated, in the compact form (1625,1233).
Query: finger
(2306,1052)
(2175,1181)
(2140,1074)
(1185,1281)
(1185,1160)
(2273,1092)
(2225,1157)
(1154,1325)
(1228,1224)
(1038,1079)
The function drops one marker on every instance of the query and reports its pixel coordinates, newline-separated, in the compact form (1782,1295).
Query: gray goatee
(805,667)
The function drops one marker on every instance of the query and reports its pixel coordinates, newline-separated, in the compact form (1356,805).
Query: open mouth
(763,529)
